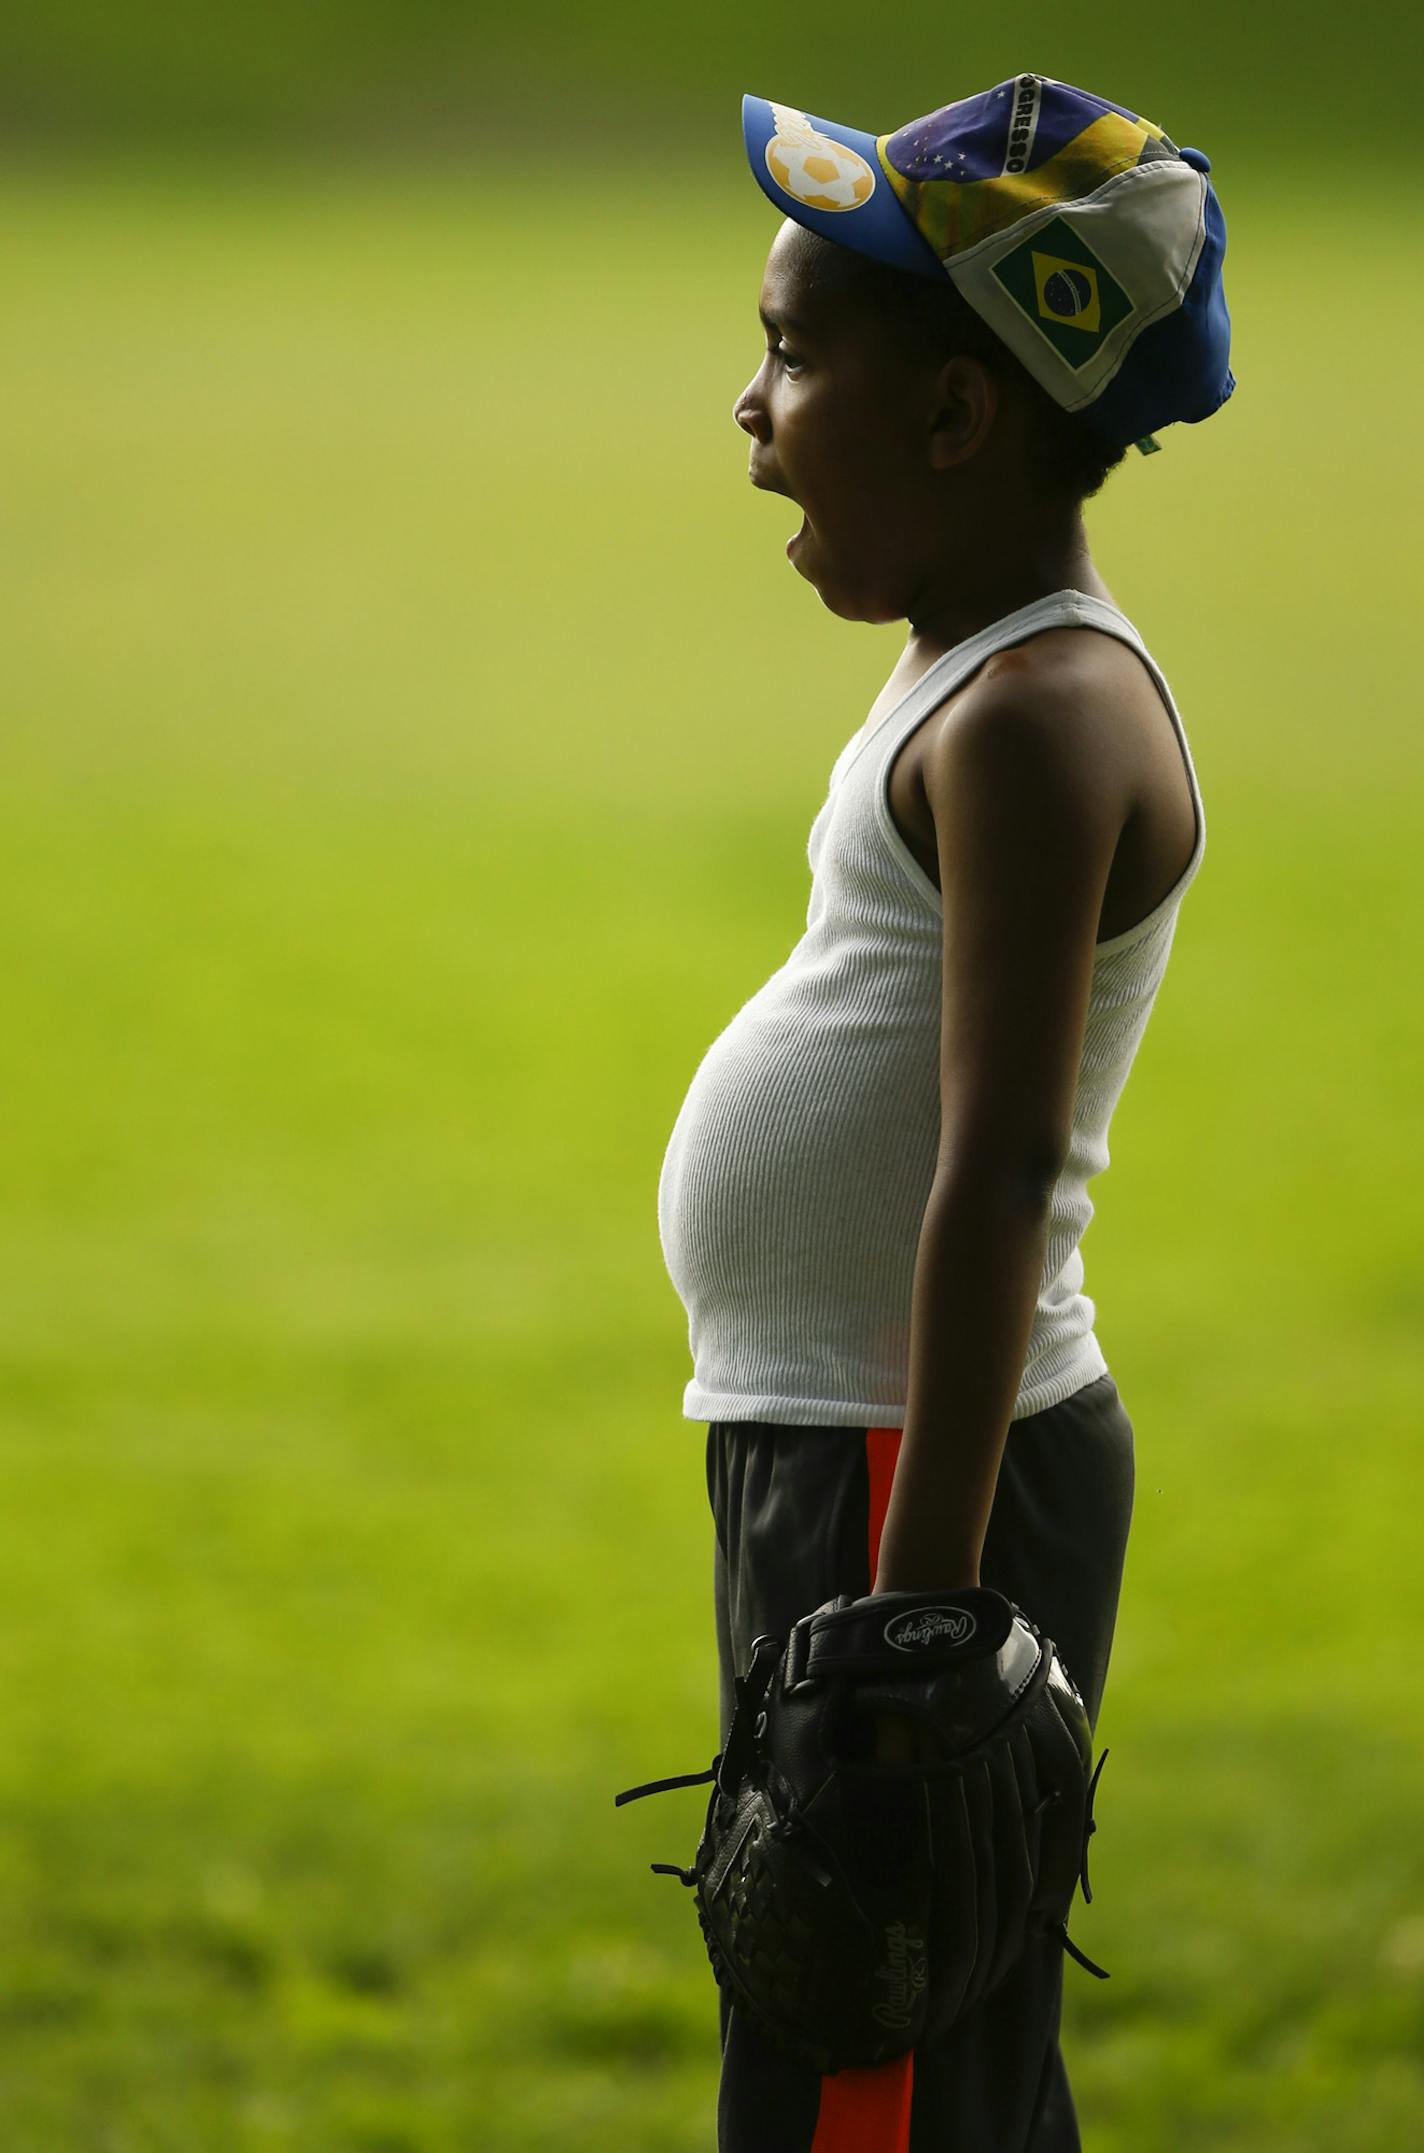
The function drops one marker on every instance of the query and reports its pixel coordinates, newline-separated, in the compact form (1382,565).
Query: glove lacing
(661,1786)
(729,1765)
(1090,1825)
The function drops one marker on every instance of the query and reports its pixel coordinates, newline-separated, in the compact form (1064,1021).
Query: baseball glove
(858,1908)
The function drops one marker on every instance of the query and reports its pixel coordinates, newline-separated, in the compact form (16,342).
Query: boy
(875,1191)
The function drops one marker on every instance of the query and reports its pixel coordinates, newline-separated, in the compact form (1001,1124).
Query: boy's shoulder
(1094,688)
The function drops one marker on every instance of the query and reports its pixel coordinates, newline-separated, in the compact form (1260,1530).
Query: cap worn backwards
(1077,230)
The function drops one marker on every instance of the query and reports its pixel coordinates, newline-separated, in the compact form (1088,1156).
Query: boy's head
(1007,293)
(909,436)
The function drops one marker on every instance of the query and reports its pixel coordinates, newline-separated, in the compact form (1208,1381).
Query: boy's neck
(964,596)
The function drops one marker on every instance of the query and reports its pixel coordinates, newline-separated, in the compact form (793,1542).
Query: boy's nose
(749,418)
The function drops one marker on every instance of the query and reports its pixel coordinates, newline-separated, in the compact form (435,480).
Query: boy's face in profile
(840,415)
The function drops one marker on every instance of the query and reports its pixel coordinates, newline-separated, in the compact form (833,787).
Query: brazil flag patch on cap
(1066,292)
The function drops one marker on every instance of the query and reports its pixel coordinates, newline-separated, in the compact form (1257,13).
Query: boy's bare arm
(1029,800)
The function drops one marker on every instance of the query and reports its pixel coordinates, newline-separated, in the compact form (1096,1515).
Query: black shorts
(798,1513)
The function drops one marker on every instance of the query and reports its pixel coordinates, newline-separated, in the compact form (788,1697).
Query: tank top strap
(1065,608)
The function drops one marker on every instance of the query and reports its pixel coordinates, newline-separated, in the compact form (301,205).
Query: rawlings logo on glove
(904,1975)
(930,1626)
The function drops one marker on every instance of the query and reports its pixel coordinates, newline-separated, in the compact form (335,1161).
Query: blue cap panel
(976,137)
(828,177)
(1180,366)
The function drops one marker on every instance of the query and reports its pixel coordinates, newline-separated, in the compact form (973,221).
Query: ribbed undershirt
(794,1184)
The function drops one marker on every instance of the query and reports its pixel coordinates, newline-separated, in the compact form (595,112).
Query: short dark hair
(1069,459)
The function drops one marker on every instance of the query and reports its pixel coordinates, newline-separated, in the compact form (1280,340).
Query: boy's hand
(899,1740)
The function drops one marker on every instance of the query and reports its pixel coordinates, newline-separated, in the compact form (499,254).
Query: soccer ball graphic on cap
(817,171)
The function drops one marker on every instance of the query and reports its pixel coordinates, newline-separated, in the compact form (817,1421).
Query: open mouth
(766,485)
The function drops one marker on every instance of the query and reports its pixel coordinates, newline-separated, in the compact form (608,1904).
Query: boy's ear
(964,406)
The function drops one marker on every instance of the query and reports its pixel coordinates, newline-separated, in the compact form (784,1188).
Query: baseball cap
(1090,244)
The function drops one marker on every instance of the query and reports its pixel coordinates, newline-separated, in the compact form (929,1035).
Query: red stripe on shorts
(869,2111)
(882,1448)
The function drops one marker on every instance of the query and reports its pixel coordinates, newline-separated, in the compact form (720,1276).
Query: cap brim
(845,197)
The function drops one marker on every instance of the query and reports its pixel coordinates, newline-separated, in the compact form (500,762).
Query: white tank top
(795,1180)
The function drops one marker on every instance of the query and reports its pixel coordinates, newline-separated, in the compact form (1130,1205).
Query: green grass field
(412,731)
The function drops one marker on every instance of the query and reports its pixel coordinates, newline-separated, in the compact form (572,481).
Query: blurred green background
(411,731)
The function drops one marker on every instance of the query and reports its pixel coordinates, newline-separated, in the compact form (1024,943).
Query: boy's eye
(788,358)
